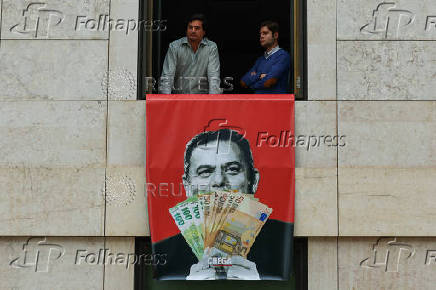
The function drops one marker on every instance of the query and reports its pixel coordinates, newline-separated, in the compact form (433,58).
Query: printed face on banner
(217,160)
(235,218)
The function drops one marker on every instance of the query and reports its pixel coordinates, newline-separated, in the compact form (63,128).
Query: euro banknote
(225,220)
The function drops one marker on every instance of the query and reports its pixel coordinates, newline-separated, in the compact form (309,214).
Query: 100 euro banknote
(184,219)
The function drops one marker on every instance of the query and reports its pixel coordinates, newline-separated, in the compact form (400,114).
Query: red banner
(173,123)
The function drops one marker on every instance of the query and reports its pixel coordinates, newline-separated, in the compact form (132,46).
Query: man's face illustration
(217,166)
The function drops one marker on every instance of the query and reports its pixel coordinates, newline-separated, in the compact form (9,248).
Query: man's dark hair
(223,135)
(200,17)
(272,25)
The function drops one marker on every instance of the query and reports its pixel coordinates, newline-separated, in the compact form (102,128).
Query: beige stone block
(386,263)
(126,133)
(51,263)
(315,188)
(322,263)
(54,19)
(52,163)
(316,202)
(321,49)
(51,201)
(386,201)
(314,120)
(123,52)
(117,275)
(53,70)
(386,70)
(126,208)
(387,169)
(126,203)
(388,134)
(386,20)
(53,134)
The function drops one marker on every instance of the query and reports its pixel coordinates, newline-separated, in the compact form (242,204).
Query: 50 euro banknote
(240,228)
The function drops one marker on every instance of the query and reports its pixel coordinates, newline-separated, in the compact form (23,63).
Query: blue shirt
(271,52)
(276,64)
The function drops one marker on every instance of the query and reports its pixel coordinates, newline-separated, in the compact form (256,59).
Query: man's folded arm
(279,67)
(250,78)
(168,71)
(213,72)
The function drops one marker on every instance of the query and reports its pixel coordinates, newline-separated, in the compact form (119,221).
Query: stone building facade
(72,144)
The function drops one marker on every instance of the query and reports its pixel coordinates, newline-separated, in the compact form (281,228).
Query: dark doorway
(233,25)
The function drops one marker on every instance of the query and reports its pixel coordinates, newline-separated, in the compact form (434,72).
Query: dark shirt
(271,251)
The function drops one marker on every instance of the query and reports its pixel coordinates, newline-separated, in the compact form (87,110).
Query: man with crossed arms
(270,73)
